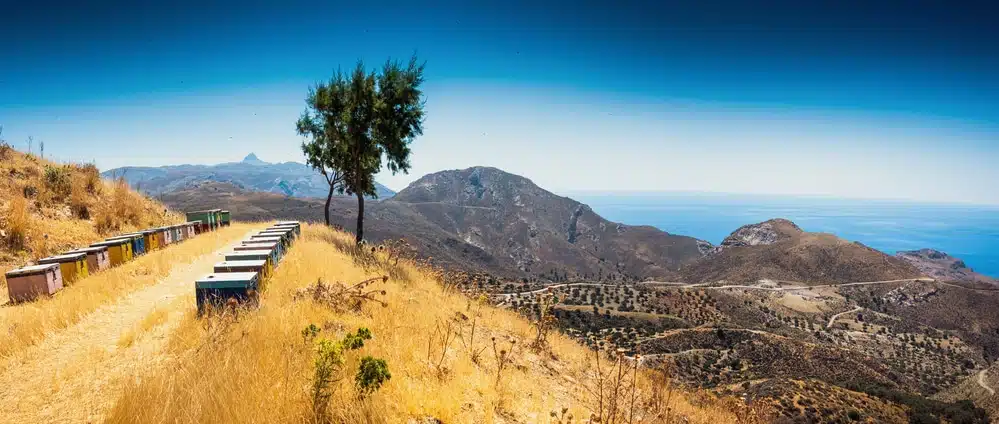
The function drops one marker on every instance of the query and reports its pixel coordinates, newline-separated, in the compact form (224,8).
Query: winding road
(833,319)
(981,382)
(704,286)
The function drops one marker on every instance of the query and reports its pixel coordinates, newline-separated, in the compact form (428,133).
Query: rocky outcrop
(944,267)
(764,233)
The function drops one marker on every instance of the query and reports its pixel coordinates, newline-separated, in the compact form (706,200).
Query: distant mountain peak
(252,158)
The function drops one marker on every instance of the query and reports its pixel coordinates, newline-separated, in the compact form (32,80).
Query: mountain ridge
(251,173)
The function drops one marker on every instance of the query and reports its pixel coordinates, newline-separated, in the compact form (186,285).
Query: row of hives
(237,279)
(51,274)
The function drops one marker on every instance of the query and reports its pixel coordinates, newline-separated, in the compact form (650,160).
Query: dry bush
(340,297)
(58,181)
(17,223)
(79,200)
(122,209)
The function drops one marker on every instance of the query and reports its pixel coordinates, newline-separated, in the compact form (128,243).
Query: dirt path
(981,382)
(56,380)
(832,320)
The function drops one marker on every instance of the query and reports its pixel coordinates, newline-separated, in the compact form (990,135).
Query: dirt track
(55,380)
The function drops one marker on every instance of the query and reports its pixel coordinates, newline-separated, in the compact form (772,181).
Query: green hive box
(225,218)
(218,288)
(205,219)
(262,244)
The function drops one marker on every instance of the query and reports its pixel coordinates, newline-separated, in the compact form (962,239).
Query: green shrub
(57,180)
(371,374)
(328,365)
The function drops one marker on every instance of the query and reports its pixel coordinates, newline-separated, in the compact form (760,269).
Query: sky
(844,99)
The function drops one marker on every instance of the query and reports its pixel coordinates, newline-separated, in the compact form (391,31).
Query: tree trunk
(329,198)
(360,218)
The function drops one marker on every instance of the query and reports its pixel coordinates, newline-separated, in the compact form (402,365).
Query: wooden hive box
(137,241)
(258,266)
(218,288)
(284,231)
(29,282)
(225,218)
(72,265)
(262,244)
(97,258)
(119,251)
(290,224)
(256,255)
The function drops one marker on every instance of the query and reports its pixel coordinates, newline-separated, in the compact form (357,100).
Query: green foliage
(354,122)
(328,365)
(371,374)
(309,333)
(57,180)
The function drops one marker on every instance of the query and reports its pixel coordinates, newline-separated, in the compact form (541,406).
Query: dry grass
(256,366)
(48,208)
(24,324)
(156,317)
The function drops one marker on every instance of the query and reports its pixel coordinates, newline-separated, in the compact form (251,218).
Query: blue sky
(894,100)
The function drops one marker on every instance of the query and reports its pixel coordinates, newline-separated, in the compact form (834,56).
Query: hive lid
(268,241)
(89,249)
(223,280)
(124,237)
(66,257)
(113,242)
(241,263)
(249,252)
(257,238)
(288,223)
(278,230)
(31,270)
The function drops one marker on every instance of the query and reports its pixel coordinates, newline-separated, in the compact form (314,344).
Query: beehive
(205,219)
(29,282)
(217,289)
(149,239)
(259,266)
(167,236)
(129,253)
(97,258)
(284,231)
(119,251)
(224,218)
(262,244)
(290,224)
(72,265)
(137,241)
(285,237)
(256,255)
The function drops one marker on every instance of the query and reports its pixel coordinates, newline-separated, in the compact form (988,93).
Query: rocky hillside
(779,250)
(251,174)
(484,219)
(539,232)
(941,266)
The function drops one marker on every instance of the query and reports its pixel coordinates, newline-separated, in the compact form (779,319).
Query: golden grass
(257,368)
(24,324)
(47,208)
(156,317)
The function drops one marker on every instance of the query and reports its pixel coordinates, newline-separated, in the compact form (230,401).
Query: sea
(968,232)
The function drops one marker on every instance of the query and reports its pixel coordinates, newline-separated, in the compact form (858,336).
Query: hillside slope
(780,250)
(46,208)
(484,219)
(252,174)
(451,359)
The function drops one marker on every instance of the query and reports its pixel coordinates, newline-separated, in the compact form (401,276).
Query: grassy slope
(257,368)
(47,208)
